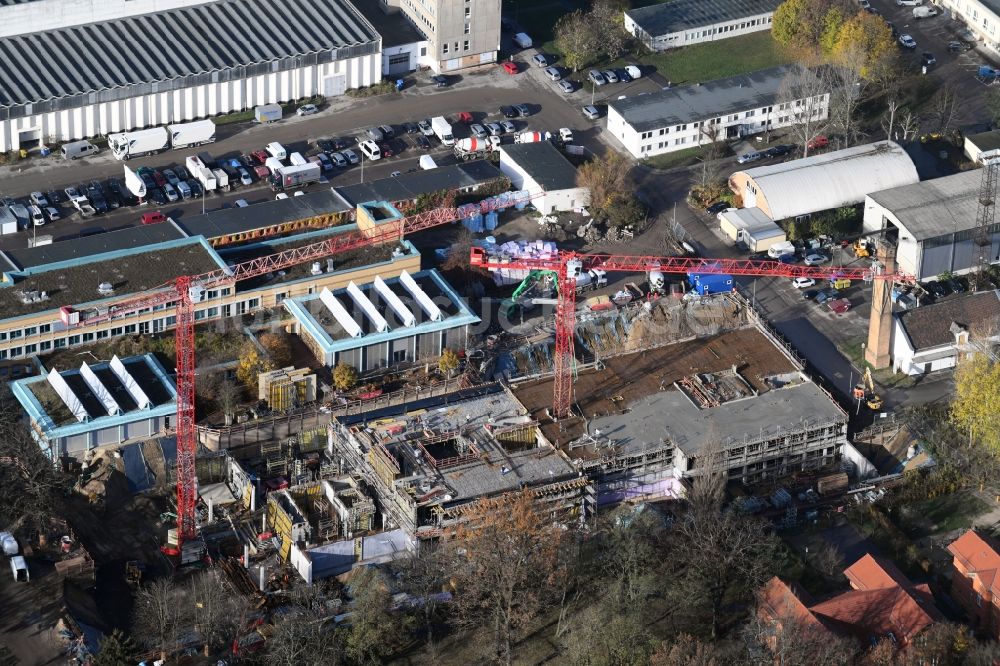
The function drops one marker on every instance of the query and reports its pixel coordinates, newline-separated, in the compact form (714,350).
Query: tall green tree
(369,638)
(976,407)
(578,39)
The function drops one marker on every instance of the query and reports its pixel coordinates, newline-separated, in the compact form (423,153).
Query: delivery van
(76,149)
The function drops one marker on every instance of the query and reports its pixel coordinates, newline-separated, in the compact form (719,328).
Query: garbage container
(23,153)
(400,83)
(45,151)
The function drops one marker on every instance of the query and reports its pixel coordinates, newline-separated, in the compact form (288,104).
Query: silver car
(591,112)
(339,159)
(494,129)
(351,156)
(566,86)
(478,131)
(374,133)
(508,126)
(597,77)
(553,73)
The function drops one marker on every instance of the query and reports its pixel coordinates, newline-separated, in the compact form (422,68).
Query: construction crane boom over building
(183,292)
(568,265)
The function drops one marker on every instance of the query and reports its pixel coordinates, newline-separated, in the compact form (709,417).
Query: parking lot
(481,94)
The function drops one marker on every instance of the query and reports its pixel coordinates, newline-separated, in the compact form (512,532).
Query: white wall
(707,33)
(190,103)
(27,17)
(558,200)
(414,60)
(982,20)
(688,135)
(908,251)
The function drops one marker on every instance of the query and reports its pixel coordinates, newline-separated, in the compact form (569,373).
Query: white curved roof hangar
(829,180)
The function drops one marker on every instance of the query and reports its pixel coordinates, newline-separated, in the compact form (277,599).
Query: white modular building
(546,174)
(688,116)
(96,74)
(670,25)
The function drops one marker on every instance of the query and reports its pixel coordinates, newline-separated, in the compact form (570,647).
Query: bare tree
(509,551)
(712,148)
(891,118)
(804,97)
(607,179)
(216,609)
(160,612)
(828,560)
(788,640)
(708,488)
(228,394)
(944,108)
(686,650)
(604,637)
(424,576)
(303,637)
(847,90)
(629,556)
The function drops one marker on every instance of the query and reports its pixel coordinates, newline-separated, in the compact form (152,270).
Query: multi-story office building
(460,33)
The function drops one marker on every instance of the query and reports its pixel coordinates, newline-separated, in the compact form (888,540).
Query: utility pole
(985,217)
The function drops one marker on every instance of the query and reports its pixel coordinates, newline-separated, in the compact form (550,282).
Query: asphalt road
(480,94)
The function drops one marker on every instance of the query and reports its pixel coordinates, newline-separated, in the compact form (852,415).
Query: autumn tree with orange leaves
(509,565)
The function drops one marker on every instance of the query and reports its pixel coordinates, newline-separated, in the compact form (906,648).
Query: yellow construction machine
(866,391)
(862,248)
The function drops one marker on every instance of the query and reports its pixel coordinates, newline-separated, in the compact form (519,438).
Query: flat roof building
(400,319)
(686,116)
(464,178)
(934,222)
(824,181)
(935,336)
(751,227)
(132,70)
(545,173)
(100,404)
(671,25)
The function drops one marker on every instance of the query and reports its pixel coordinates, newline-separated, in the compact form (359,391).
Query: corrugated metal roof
(686,104)
(680,15)
(934,207)
(831,180)
(171,44)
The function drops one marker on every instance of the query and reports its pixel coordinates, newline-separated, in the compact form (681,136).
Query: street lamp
(362,165)
(593,88)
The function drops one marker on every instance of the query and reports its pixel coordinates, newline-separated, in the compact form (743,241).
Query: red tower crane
(183,292)
(568,265)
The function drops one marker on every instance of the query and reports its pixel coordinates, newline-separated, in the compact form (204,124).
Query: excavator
(866,391)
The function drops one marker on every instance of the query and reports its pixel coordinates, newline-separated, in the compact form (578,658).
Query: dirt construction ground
(635,375)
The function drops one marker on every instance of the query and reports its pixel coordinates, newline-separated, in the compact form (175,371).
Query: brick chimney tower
(880,323)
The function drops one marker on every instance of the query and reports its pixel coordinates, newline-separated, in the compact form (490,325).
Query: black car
(509,112)
(938,289)
(96,195)
(622,75)
(56,197)
(423,142)
(157,195)
(147,180)
(956,286)
(387,131)
(182,173)
(440,81)
(958,47)
(779,150)
(717,208)
(117,187)
(759,256)
(522,110)
(195,187)
(411,128)
(100,188)
(810,294)
(927,59)
(326,145)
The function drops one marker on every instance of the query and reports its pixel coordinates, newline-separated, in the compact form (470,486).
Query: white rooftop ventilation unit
(381,325)
(426,304)
(106,289)
(317,268)
(97,387)
(69,398)
(394,302)
(128,381)
(342,316)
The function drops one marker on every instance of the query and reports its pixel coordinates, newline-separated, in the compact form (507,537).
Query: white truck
(221,179)
(126,145)
(184,135)
(297,160)
(82,204)
(274,165)
(204,175)
(473,148)
(296,176)
(275,149)
(427,162)
(442,129)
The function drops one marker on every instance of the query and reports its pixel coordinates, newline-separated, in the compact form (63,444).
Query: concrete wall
(27,17)
(706,33)
(161,108)
(443,23)
(688,135)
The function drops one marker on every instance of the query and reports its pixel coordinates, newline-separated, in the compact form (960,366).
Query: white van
(297,160)
(634,72)
(370,149)
(779,249)
(522,40)
(19,568)
(275,149)
(77,149)
(37,216)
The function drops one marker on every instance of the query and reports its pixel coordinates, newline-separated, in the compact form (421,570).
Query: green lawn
(942,514)
(685,157)
(719,59)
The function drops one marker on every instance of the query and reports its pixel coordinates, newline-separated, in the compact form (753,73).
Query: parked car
(478,130)
(623,75)
(171,193)
(816,259)
(779,150)
(510,67)
(341,161)
(410,128)
(196,190)
(423,142)
(324,161)
(153,217)
(494,129)
(508,112)
(540,60)
(159,178)
(928,59)
(351,156)
(508,126)
(565,135)
(374,133)
(36,215)
(386,149)
(39,199)
(387,131)
(241,203)
(907,42)
(839,305)
(751,156)
(597,77)
(810,294)
(52,213)
(803,282)
(609,76)
(245,178)
(717,208)
(553,73)
(591,112)
(72,192)
(425,127)
(909,3)
(936,288)
(958,47)
(439,81)
(306,110)
(790,258)
(522,110)
(567,86)
(818,142)
(956,286)
(826,295)
(464,117)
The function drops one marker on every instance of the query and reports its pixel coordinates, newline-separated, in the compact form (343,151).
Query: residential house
(974,581)
(936,336)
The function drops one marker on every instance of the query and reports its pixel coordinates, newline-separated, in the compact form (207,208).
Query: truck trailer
(267,113)
(185,135)
(126,145)
(296,176)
